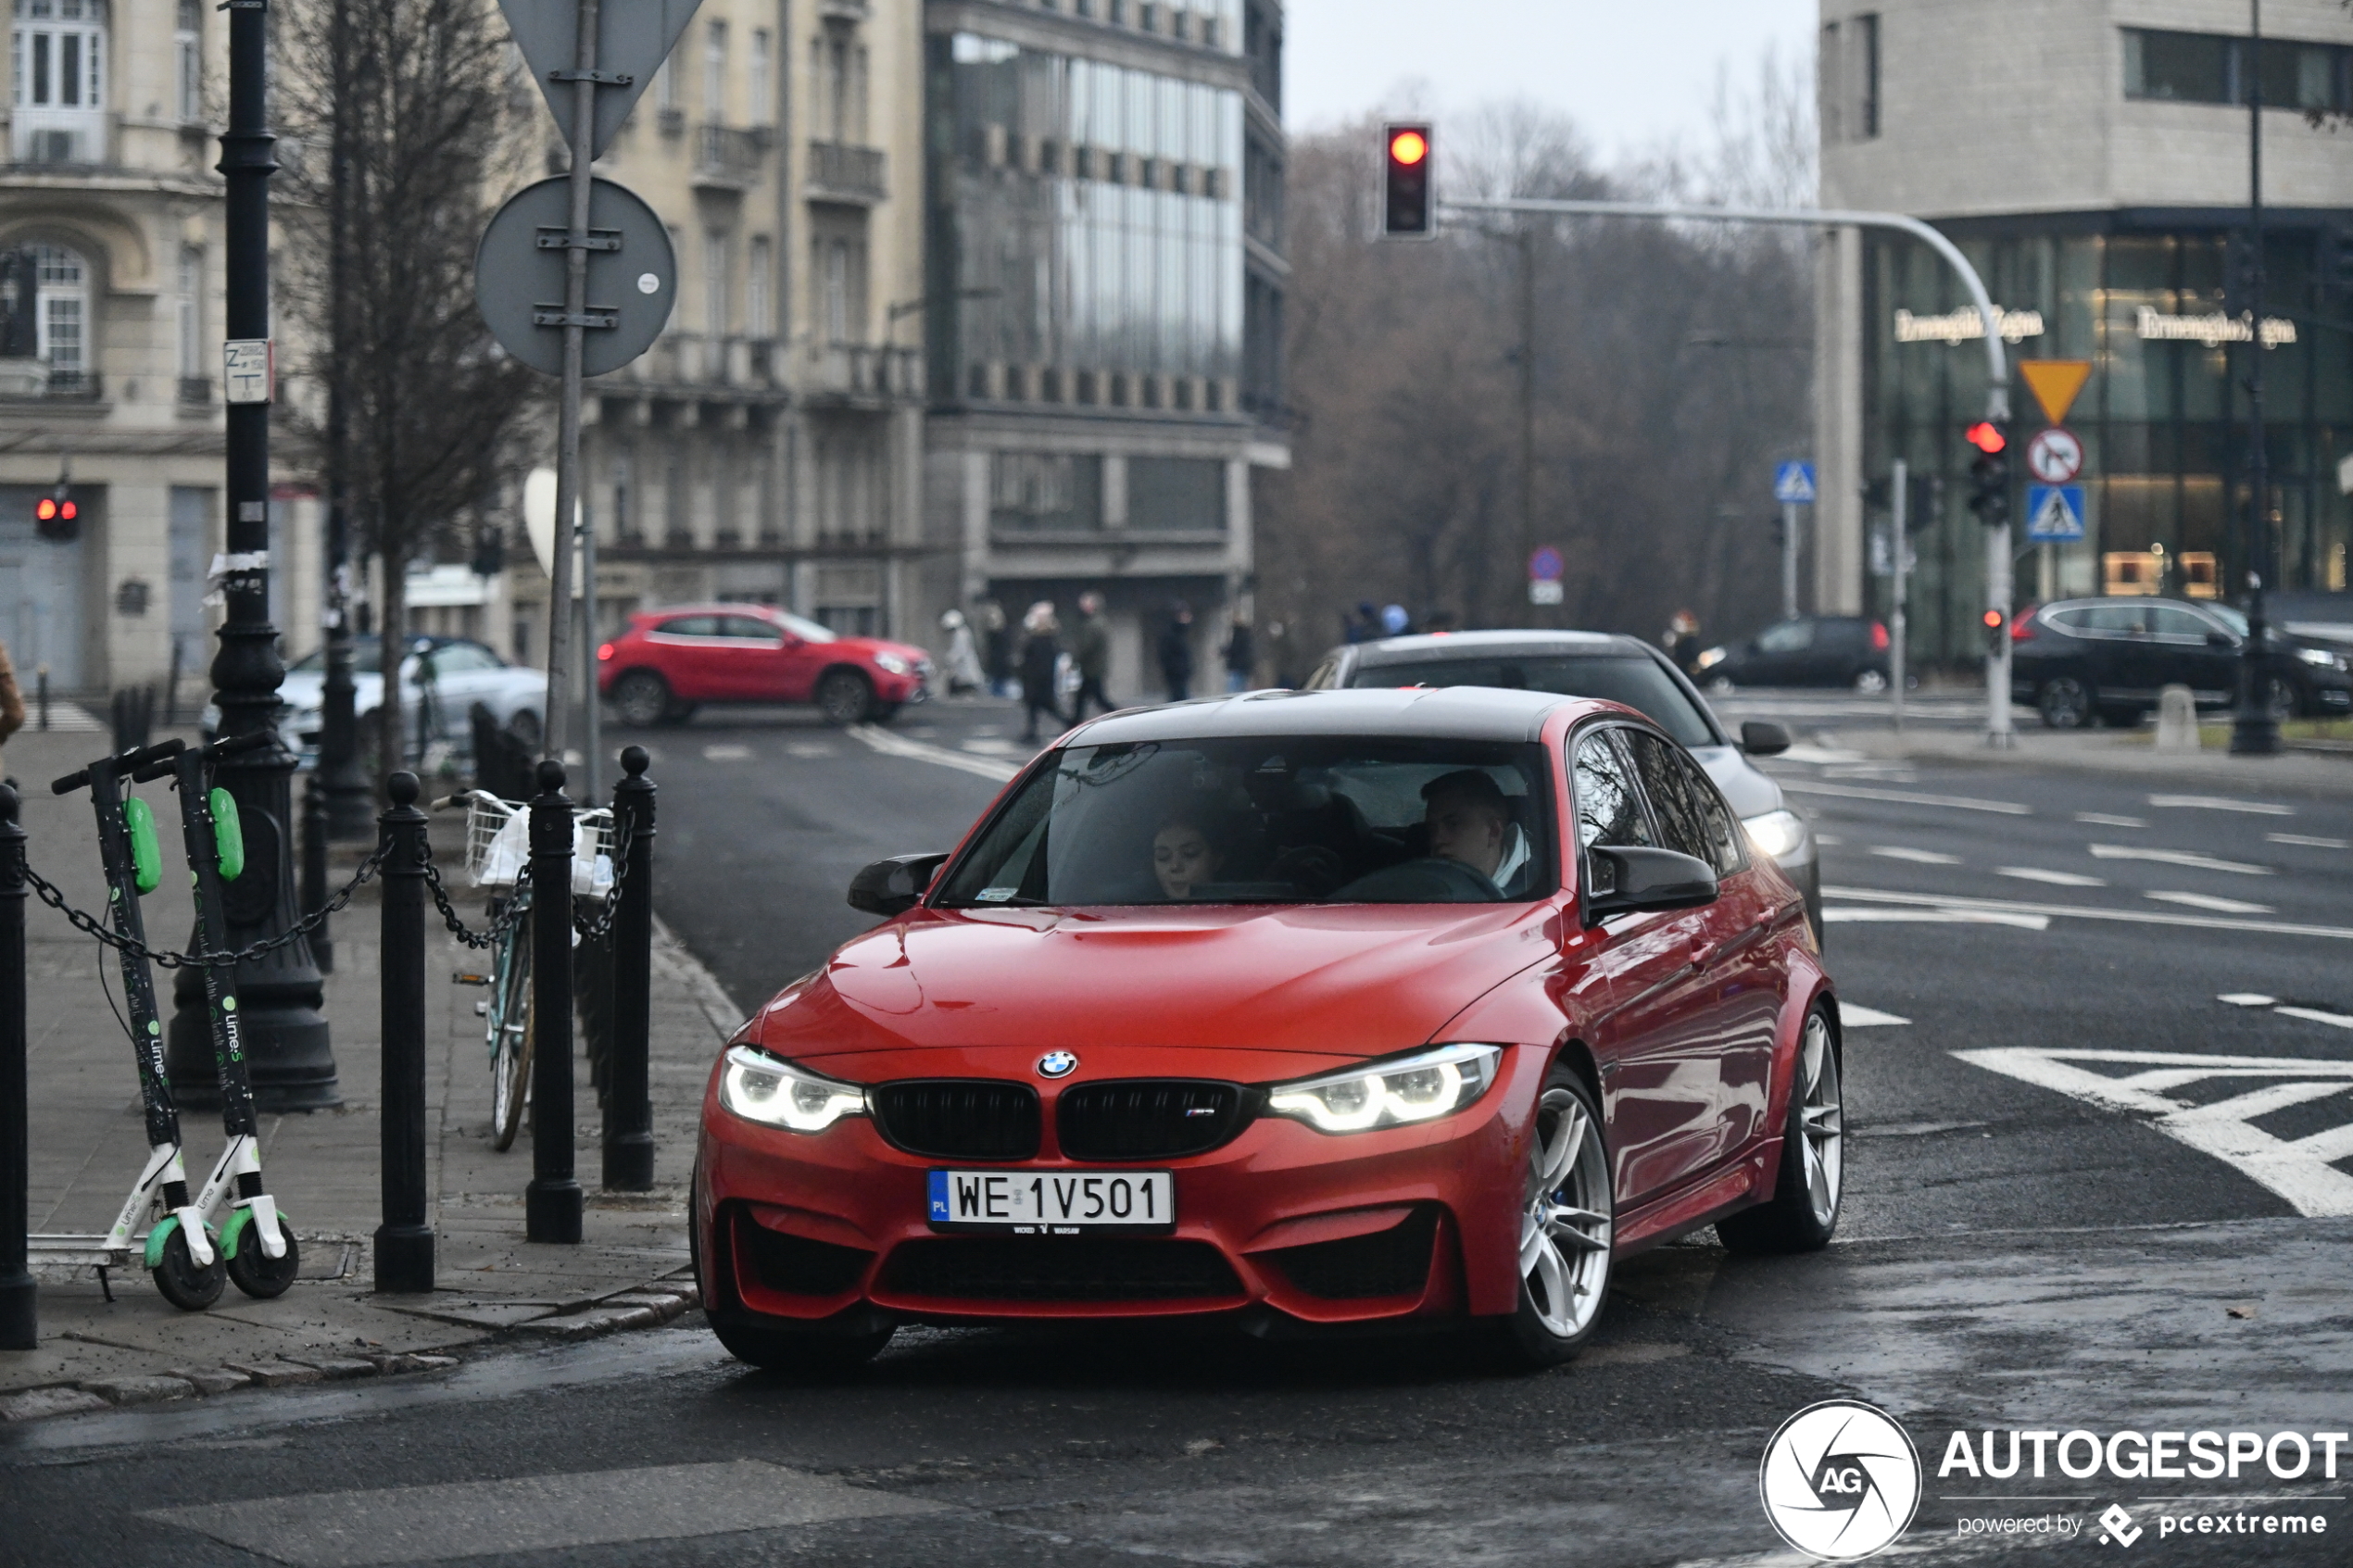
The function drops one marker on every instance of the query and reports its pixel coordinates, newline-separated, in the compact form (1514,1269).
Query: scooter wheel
(259,1274)
(184,1285)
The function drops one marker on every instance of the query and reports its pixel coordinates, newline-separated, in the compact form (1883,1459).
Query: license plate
(1052,1202)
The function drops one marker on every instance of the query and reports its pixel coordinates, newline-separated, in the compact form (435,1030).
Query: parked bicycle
(499,858)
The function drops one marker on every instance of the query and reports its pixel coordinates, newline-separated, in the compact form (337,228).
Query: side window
(1675,798)
(1326,676)
(1788,636)
(2117,620)
(2167,620)
(458,658)
(689,626)
(1609,809)
(1724,836)
(747,628)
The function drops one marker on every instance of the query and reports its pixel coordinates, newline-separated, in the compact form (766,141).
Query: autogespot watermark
(1840,1480)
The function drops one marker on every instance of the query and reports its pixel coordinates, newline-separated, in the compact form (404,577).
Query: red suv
(670,661)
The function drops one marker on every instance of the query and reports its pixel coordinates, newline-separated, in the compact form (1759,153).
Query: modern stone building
(1103,308)
(109,182)
(2091,159)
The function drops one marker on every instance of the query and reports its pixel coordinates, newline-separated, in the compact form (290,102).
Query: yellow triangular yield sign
(2055,383)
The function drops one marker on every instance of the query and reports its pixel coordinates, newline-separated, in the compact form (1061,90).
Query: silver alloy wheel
(1871,683)
(1565,1224)
(1822,1118)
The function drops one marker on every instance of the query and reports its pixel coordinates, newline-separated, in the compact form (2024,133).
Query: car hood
(1748,792)
(1338,980)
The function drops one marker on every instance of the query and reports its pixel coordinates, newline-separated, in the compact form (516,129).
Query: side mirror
(1762,738)
(1619,880)
(889,887)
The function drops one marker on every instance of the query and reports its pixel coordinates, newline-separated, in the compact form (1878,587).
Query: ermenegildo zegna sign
(2213,330)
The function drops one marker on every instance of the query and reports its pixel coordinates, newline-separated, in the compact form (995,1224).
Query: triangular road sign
(2055,383)
(632,38)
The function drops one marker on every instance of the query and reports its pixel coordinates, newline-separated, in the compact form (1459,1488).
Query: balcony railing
(695,359)
(54,386)
(729,157)
(840,172)
(866,371)
(196,391)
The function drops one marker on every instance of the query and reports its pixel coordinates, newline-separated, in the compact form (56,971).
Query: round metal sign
(1544,565)
(519,276)
(2054,455)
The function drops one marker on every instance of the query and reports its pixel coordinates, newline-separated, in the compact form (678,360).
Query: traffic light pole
(1998,733)
(1899,501)
(2253,732)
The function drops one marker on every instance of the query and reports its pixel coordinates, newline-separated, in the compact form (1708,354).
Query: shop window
(1176,494)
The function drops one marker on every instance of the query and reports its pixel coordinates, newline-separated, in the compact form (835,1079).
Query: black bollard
(314,870)
(403,1242)
(552,1203)
(629,1108)
(18,1313)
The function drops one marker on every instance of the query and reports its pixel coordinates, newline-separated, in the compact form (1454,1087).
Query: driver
(1183,857)
(1470,824)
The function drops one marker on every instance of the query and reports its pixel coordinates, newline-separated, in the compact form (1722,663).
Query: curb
(648,1306)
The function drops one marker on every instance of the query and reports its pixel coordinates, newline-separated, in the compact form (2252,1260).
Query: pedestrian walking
(1363,625)
(1176,652)
(1090,650)
(11,703)
(1241,655)
(1394,621)
(964,673)
(1041,652)
(1681,641)
(996,648)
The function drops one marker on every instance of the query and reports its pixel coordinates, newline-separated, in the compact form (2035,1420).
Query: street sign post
(1793,487)
(633,37)
(2054,455)
(2054,513)
(2055,383)
(519,277)
(1544,569)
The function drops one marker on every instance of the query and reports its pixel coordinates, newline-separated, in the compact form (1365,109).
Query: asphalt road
(2084,1192)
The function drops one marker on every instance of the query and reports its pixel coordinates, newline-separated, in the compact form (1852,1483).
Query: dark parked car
(2083,659)
(1812,650)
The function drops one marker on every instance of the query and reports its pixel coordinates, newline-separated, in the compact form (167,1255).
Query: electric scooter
(256,1240)
(179,1250)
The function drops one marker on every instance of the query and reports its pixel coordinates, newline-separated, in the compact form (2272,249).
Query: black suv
(1812,650)
(2083,659)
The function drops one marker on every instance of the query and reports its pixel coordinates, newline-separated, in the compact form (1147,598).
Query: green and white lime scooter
(256,1241)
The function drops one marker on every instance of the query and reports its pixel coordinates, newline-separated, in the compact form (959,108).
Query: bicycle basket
(498,845)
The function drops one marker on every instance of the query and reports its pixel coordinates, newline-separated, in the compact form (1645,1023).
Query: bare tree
(414,100)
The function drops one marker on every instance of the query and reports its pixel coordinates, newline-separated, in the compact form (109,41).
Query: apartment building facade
(2092,160)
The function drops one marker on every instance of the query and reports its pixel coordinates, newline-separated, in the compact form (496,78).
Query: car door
(1738,1007)
(688,653)
(2129,661)
(2195,652)
(1659,1081)
(758,660)
(461,674)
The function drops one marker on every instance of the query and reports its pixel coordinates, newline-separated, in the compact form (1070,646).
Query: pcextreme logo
(1840,1480)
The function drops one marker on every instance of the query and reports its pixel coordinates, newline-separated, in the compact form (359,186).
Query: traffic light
(1997,632)
(1989,474)
(1406,205)
(54,516)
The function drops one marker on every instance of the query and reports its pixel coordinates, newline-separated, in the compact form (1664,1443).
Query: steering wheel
(1427,881)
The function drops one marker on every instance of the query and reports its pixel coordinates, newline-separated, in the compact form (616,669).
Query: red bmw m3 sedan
(1291,1010)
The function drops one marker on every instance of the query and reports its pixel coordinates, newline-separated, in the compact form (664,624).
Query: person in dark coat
(1177,653)
(1090,650)
(1041,652)
(1241,656)
(996,648)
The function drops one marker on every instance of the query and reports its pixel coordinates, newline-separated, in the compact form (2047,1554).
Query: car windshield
(1631,679)
(366,655)
(1271,820)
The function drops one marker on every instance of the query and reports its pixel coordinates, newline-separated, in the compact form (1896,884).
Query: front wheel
(1566,1219)
(183,1285)
(844,698)
(527,730)
(1803,1211)
(1719,685)
(255,1273)
(2066,703)
(641,699)
(1871,683)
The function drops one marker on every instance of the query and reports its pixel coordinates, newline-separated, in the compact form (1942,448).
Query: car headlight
(1416,1088)
(1776,832)
(759,1087)
(2323,657)
(1709,660)
(895,664)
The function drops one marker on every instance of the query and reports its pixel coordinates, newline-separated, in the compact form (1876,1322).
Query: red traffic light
(1986,436)
(1993,620)
(67,510)
(1408,146)
(45,510)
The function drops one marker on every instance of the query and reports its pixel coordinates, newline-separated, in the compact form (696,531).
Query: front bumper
(1282,1221)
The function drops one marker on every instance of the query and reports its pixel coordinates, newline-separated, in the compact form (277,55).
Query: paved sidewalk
(88,1142)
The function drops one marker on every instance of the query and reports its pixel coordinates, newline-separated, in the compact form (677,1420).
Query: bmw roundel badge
(1057,1064)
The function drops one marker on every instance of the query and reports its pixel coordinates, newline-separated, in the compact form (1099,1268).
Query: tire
(1871,683)
(844,697)
(641,699)
(1567,1220)
(255,1273)
(183,1285)
(811,1357)
(1803,1211)
(527,729)
(2066,703)
(512,1038)
(1719,685)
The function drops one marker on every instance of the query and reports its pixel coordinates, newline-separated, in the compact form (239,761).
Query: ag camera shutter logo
(1840,1480)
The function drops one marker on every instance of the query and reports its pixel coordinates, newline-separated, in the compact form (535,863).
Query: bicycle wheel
(510,1036)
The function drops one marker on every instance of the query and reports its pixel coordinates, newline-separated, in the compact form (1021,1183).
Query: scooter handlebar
(163,767)
(130,762)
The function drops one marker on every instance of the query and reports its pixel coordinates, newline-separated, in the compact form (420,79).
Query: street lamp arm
(1997,400)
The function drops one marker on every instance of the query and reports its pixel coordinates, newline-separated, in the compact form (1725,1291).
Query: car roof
(1490,645)
(715,606)
(1436,712)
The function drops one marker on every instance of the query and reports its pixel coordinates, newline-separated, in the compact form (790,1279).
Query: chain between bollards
(552,1204)
(18,1304)
(629,1111)
(404,1243)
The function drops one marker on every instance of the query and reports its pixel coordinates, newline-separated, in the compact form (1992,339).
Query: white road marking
(897,745)
(2057,879)
(2101,818)
(1828,838)
(2299,1170)
(726,754)
(810,748)
(2247,999)
(1856,1016)
(2189,857)
(1937,917)
(2315,1015)
(1907,797)
(2078,911)
(1801,752)
(2307,841)
(2208,901)
(983,745)
(1918,857)
(2221,803)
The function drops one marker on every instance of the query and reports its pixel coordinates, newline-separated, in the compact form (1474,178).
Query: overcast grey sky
(1630,72)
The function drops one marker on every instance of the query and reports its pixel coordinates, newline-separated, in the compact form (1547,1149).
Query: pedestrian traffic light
(1989,474)
(54,516)
(1406,205)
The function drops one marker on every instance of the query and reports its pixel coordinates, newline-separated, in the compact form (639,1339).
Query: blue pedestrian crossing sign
(2054,512)
(1794,483)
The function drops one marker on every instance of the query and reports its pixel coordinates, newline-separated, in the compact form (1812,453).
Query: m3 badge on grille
(1057,1064)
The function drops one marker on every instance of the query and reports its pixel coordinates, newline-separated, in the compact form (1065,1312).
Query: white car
(459,671)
